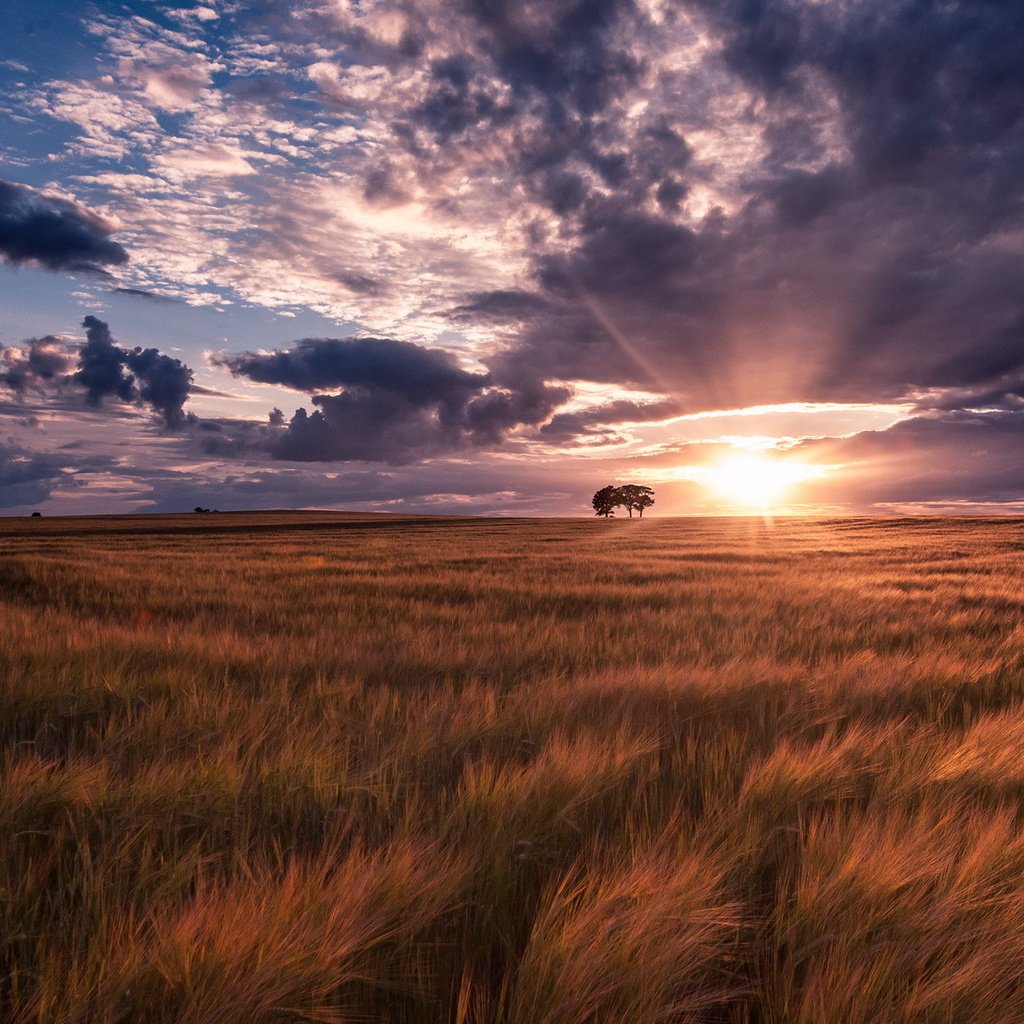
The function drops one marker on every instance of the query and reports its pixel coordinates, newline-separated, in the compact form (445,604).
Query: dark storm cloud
(563,57)
(163,382)
(106,370)
(623,252)
(563,52)
(457,99)
(27,478)
(400,402)
(670,193)
(54,233)
(997,362)
(852,258)
(101,365)
(635,300)
(47,357)
(853,276)
(802,196)
(526,401)
(563,191)
(917,79)
(369,426)
(1003,395)
(317,364)
(858,263)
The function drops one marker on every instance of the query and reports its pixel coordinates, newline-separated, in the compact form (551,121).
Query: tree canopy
(632,497)
(604,502)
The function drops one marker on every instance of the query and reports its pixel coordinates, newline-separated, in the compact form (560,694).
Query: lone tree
(628,496)
(604,501)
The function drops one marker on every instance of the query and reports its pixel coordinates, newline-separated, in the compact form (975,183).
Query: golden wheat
(324,767)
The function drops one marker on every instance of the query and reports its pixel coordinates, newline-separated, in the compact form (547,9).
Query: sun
(756,481)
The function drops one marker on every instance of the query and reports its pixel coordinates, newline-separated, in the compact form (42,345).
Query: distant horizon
(755,516)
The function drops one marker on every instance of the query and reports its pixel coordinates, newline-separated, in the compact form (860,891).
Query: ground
(310,766)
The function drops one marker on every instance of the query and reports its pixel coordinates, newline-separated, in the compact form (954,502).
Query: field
(296,767)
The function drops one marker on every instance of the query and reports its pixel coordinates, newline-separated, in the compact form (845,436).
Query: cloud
(488,484)
(316,364)
(106,370)
(177,87)
(502,305)
(101,366)
(162,381)
(565,53)
(583,423)
(35,363)
(142,293)
(918,83)
(736,203)
(724,204)
(216,160)
(54,233)
(858,261)
(27,478)
(941,458)
(400,401)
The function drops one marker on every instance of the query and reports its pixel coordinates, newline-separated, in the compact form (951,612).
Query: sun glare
(756,481)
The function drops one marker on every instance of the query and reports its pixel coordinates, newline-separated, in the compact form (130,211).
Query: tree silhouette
(627,496)
(636,496)
(604,501)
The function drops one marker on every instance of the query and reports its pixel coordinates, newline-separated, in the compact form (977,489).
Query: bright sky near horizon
(490,255)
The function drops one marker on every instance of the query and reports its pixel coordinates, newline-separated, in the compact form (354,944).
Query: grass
(296,767)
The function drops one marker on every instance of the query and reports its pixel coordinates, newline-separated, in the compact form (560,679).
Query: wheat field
(350,768)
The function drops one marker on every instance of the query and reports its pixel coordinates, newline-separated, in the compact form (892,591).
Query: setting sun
(756,480)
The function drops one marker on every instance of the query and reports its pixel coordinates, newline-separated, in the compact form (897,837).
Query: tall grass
(283,768)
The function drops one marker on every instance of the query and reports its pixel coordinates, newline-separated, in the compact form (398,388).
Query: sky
(487,256)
